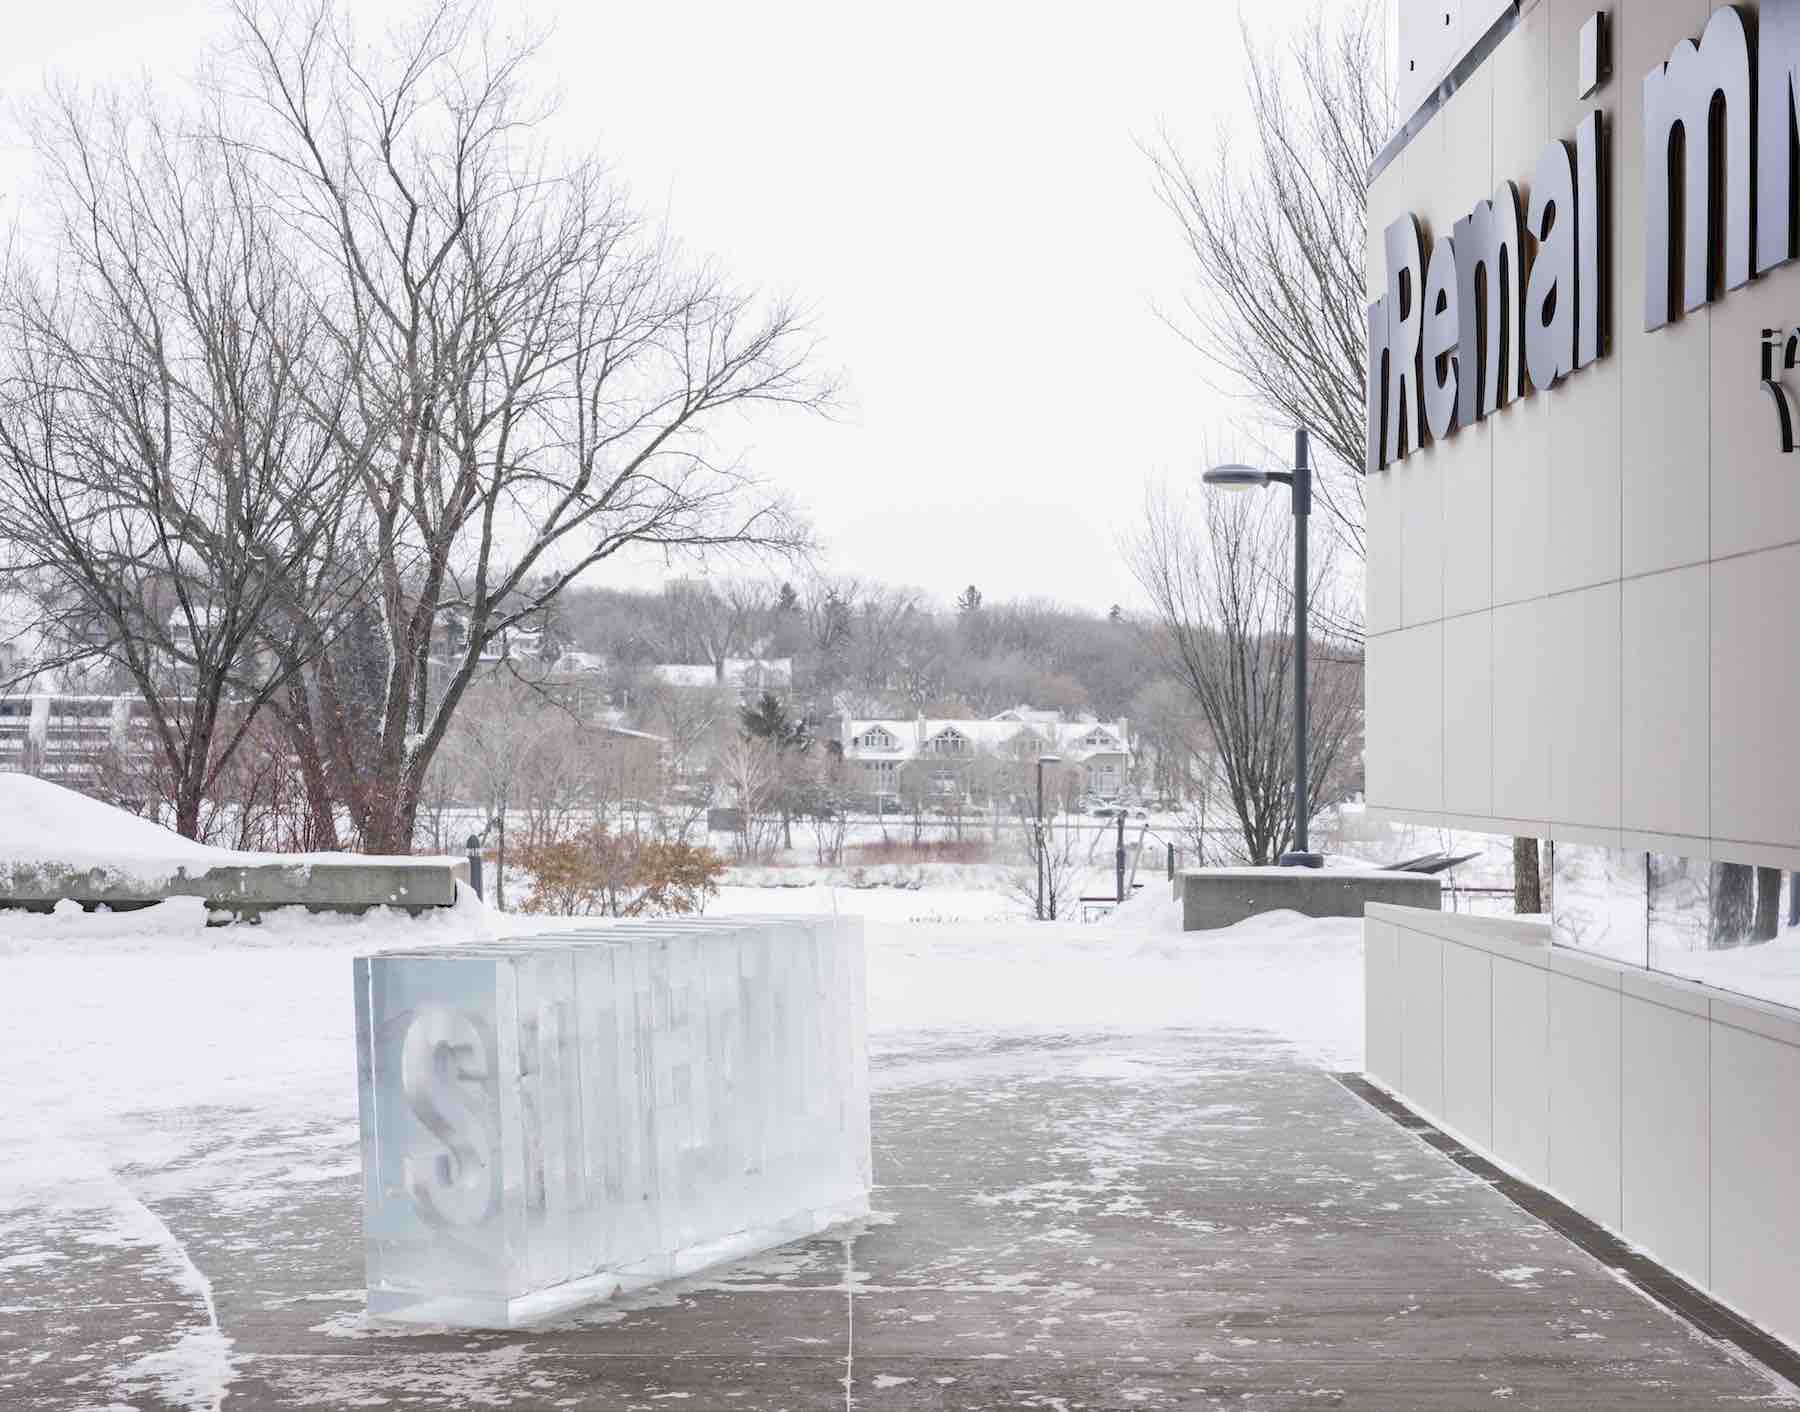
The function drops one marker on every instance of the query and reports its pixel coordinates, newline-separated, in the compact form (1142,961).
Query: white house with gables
(880,750)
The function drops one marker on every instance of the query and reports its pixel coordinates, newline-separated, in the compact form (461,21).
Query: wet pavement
(1063,1221)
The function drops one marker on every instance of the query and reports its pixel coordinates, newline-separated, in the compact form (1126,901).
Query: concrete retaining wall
(1663,1109)
(1219,897)
(350,885)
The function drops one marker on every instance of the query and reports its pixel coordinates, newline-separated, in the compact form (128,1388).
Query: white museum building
(1583,608)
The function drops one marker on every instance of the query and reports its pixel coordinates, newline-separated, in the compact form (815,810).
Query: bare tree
(546,372)
(1277,238)
(163,462)
(694,720)
(828,793)
(508,753)
(711,621)
(750,770)
(1049,880)
(1224,629)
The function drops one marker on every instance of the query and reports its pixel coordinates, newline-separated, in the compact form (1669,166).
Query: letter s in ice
(446,1061)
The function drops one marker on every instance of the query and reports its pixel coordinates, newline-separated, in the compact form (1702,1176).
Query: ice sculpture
(549,1120)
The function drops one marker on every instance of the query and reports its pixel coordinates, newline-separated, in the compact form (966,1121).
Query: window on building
(949,742)
(875,738)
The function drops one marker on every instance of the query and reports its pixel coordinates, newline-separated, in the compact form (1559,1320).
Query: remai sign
(1515,298)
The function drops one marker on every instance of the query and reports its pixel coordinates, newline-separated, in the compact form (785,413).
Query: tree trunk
(1734,904)
(187,810)
(391,812)
(296,721)
(1527,880)
(500,862)
(1768,904)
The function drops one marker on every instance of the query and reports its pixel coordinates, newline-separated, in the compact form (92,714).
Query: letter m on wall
(1697,170)
(1777,74)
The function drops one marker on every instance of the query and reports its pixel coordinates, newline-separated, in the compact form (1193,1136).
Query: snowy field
(108,1020)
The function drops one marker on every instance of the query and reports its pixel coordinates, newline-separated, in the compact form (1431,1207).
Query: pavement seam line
(849,1320)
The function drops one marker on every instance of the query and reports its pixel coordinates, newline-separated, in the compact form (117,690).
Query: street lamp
(1043,760)
(1238,477)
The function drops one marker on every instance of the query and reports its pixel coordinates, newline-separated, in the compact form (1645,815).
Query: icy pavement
(1112,1172)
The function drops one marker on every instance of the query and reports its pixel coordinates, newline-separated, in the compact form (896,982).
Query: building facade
(1583,606)
(76,741)
(966,759)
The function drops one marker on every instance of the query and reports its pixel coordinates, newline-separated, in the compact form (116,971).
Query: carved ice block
(548,1120)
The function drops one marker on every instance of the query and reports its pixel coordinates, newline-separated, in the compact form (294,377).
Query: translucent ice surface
(548,1120)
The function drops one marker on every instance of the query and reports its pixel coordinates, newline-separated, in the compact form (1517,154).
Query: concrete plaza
(1174,1219)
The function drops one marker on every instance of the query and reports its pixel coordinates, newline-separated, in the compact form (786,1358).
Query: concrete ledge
(1523,939)
(1220,897)
(347,886)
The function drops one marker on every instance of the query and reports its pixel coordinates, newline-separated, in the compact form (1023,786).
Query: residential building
(749,677)
(947,756)
(74,740)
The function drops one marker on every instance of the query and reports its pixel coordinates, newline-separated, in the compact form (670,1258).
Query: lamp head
(1049,759)
(1235,477)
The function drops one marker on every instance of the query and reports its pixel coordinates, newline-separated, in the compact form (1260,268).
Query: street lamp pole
(1300,856)
(1042,761)
(1299,480)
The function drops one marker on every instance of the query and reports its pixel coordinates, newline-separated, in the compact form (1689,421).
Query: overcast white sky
(954,189)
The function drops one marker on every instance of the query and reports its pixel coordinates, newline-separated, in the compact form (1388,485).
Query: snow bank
(182,925)
(43,823)
(1299,979)
(145,1012)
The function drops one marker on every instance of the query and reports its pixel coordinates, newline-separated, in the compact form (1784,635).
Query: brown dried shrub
(599,872)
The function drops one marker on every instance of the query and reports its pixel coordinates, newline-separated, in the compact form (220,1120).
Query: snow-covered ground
(148,1057)
(108,1020)
(43,823)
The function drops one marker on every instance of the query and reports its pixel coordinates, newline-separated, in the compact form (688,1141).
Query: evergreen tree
(768,720)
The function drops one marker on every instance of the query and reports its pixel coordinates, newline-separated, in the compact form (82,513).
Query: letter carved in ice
(552,1120)
(447,1054)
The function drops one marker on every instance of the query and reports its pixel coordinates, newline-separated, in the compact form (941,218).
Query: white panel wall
(1582,1062)
(1381,987)
(1521,1065)
(1754,1159)
(1624,544)
(1421,974)
(1468,1044)
(1665,1110)
(1665,1057)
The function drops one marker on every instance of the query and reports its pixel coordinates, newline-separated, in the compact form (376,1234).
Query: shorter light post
(1042,761)
(475,863)
(1240,477)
